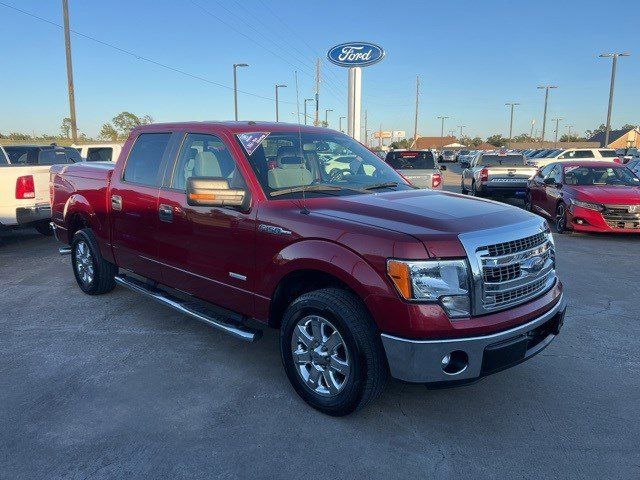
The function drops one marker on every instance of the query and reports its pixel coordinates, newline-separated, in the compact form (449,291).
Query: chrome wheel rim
(560,218)
(320,355)
(84,263)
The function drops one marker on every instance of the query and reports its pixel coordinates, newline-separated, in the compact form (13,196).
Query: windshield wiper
(376,186)
(306,188)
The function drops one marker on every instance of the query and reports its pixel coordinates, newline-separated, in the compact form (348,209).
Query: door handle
(116,202)
(165,213)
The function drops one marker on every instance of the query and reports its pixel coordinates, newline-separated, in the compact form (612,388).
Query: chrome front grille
(620,216)
(510,265)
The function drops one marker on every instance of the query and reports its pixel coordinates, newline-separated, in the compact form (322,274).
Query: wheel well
(78,222)
(295,284)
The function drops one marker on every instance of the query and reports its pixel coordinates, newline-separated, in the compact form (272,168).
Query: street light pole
(235,87)
(569,127)
(511,104)
(326,116)
(277,87)
(305,107)
(461,127)
(614,64)
(340,122)
(546,101)
(442,125)
(557,120)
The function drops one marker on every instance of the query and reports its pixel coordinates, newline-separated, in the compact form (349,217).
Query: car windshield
(502,160)
(541,154)
(3,158)
(311,163)
(411,160)
(552,153)
(585,176)
(447,152)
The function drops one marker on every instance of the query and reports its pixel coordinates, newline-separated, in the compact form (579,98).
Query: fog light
(455,362)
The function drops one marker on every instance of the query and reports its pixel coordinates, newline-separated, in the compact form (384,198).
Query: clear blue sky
(472,57)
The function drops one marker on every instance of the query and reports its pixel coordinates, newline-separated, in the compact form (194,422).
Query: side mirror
(213,192)
(443,167)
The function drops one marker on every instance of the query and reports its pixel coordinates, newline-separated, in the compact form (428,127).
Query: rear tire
(561,218)
(43,228)
(93,273)
(337,380)
(474,190)
(463,190)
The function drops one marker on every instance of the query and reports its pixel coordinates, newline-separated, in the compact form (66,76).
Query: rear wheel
(561,218)
(474,191)
(463,190)
(93,273)
(527,201)
(331,351)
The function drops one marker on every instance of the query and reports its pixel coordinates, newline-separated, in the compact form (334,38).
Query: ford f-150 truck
(364,275)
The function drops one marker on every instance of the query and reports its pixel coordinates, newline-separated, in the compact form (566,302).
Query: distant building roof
(613,136)
(423,143)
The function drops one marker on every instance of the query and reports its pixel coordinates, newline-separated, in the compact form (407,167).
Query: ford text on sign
(355,54)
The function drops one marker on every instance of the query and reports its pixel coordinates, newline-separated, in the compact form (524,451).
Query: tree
(497,140)
(19,136)
(471,142)
(404,143)
(571,138)
(523,137)
(107,132)
(627,126)
(591,133)
(66,127)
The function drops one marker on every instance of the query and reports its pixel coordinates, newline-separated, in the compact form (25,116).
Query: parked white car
(24,184)
(602,154)
(99,152)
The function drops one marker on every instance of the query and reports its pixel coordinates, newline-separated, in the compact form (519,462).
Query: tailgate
(418,178)
(510,175)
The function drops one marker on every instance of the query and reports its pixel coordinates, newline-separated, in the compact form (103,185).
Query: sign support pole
(354,100)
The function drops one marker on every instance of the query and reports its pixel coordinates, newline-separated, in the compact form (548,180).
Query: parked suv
(364,275)
(606,154)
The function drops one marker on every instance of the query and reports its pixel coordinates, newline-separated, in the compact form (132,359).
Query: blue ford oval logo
(355,54)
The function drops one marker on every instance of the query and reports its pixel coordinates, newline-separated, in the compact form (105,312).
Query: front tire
(93,273)
(332,352)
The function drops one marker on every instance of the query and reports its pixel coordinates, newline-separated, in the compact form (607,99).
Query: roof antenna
(304,210)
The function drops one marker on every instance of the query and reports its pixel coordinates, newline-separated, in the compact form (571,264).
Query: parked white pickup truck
(99,152)
(24,184)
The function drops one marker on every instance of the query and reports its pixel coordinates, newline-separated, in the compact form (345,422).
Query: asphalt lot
(117,386)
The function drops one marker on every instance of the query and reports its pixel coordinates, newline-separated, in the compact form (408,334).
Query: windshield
(552,153)
(411,160)
(502,160)
(541,154)
(447,152)
(3,158)
(286,163)
(42,155)
(584,176)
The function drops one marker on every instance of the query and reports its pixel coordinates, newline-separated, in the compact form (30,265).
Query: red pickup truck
(305,230)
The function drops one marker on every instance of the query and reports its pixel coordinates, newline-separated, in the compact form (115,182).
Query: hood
(430,216)
(608,194)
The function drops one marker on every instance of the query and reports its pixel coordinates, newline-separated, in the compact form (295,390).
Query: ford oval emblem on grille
(533,264)
(355,54)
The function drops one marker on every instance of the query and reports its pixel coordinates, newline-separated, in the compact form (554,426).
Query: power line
(138,56)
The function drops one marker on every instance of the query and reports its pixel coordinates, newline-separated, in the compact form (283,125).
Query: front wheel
(93,273)
(561,218)
(332,352)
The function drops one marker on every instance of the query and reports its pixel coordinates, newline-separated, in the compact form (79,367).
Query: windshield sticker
(570,169)
(251,141)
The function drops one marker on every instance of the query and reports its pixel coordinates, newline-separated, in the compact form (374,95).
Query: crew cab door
(133,203)
(207,252)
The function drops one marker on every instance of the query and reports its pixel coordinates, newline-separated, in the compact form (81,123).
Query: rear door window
(608,153)
(145,159)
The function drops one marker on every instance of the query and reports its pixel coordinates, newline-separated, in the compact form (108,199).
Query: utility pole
(557,120)
(415,121)
(340,122)
(533,122)
(366,130)
(380,137)
(546,100)
(511,104)
(316,121)
(569,127)
(235,87)
(442,125)
(614,63)
(72,96)
(461,127)
(305,108)
(277,87)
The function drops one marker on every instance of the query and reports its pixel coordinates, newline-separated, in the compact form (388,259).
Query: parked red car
(587,196)
(305,230)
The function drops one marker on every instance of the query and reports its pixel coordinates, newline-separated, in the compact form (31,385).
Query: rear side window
(608,153)
(143,164)
(411,160)
(102,154)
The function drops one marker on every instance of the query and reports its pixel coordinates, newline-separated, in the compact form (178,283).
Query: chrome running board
(205,315)
(64,250)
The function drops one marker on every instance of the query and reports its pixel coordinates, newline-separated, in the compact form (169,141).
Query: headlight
(443,281)
(591,206)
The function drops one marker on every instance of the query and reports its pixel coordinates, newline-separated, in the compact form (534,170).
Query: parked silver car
(418,166)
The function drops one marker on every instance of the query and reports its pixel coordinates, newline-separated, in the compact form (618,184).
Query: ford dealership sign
(355,54)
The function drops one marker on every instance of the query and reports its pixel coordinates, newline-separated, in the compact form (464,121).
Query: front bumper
(586,220)
(420,361)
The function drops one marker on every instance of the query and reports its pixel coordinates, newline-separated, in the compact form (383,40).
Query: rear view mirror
(213,192)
